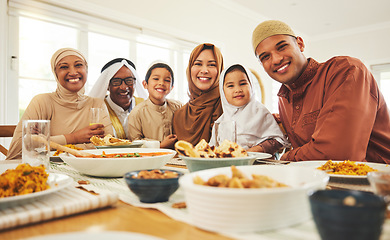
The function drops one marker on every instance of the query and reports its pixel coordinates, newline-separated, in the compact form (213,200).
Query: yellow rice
(23,179)
(347,168)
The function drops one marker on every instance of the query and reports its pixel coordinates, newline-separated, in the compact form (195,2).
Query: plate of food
(44,183)
(109,141)
(130,145)
(202,156)
(115,162)
(344,169)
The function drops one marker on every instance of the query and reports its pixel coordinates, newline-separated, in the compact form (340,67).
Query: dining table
(160,220)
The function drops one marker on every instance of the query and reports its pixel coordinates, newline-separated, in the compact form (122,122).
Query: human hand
(169,141)
(283,157)
(256,148)
(83,135)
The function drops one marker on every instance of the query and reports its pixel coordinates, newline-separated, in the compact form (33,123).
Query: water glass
(35,142)
(226,130)
(94,116)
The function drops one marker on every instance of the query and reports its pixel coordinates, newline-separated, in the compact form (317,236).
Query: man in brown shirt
(331,110)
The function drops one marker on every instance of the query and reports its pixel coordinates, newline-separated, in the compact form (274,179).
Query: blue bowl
(335,219)
(152,190)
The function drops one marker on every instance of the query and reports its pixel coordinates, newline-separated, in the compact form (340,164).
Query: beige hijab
(64,96)
(67,111)
(194,121)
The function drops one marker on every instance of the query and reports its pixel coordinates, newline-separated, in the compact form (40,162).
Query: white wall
(371,46)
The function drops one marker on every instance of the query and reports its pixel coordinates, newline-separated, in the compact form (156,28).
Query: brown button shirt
(335,110)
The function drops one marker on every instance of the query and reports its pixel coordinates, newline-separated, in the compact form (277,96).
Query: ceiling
(314,19)
(319,18)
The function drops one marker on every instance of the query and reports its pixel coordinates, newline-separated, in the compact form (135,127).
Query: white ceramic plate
(132,145)
(260,155)
(316,164)
(97,236)
(56,181)
(117,167)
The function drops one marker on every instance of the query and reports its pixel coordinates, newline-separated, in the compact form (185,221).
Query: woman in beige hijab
(194,121)
(67,108)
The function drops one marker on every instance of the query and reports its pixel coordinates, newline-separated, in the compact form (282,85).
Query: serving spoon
(57,146)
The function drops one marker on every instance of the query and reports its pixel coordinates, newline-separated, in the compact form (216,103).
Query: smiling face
(159,85)
(282,57)
(204,71)
(71,72)
(236,88)
(122,94)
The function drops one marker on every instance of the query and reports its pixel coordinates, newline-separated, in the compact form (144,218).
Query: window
(381,73)
(102,49)
(38,40)
(40,37)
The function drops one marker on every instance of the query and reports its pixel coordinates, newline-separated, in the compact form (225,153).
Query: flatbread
(109,140)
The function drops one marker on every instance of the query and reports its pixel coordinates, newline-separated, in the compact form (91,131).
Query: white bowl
(117,167)
(250,210)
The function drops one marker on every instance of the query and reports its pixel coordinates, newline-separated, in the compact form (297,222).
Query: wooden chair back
(6,131)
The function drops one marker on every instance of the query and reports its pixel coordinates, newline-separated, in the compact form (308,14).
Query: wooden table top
(123,217)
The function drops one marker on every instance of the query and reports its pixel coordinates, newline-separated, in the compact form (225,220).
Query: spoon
(57,146)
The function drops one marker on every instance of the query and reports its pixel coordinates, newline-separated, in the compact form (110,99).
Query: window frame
(84,24)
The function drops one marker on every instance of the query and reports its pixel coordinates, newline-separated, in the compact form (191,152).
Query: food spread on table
(238,180)
(127,155)
(24,179)
(109,140)
(155,174)
(204,150)
(346,168)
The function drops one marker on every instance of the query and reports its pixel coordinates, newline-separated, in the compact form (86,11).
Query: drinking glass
(226,130)
(94,116)
(35,142)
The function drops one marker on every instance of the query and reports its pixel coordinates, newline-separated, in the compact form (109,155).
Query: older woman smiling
(67,108)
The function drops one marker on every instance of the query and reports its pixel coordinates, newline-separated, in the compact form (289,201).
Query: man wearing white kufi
(121,80)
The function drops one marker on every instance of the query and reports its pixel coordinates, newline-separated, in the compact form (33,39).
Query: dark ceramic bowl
(348,214)
(152,190)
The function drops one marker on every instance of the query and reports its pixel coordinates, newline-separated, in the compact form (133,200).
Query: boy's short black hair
(116,60)
(158,65)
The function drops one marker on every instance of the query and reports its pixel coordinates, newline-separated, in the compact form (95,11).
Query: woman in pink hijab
(67,108)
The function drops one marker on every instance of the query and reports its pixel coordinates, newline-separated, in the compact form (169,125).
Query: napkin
(65,202)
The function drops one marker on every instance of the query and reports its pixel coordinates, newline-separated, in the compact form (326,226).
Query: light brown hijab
(67,111)
(194,121)
(64,96)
